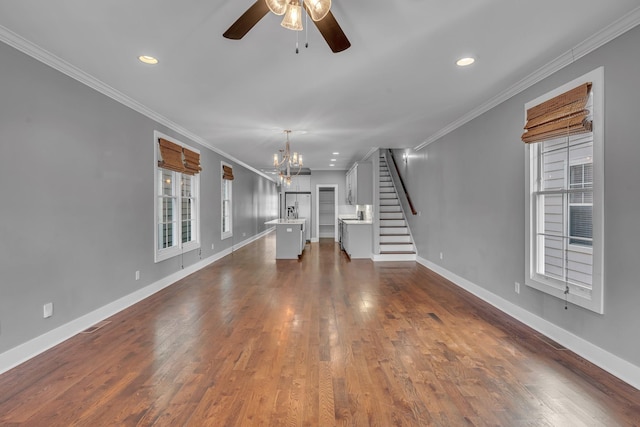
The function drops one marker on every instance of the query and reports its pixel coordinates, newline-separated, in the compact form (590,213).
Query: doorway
(326,211)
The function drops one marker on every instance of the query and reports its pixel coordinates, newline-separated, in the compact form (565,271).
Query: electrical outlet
(47,310)
(441,255)
(212,246)
(137,274)
(244,234)
(517,288)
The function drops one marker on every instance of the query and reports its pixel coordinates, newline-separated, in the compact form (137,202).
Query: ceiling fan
(318,10)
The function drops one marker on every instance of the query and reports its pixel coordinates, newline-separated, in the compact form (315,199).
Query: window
(188,216)
(177,192)
(581,204)
(227,201)
(565,205)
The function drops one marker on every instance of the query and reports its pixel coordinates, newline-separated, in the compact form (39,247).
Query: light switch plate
(47,310)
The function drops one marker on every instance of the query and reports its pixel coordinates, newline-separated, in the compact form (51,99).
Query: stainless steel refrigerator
(298,205)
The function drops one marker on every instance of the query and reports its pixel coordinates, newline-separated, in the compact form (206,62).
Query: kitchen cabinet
(299,183)
(359,185)
(356,238)
(290,239)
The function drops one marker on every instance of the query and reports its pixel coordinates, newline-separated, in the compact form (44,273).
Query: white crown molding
(370,153)
(602,37)
(25,46)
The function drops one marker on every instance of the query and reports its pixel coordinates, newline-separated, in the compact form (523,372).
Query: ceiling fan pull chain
(297,51)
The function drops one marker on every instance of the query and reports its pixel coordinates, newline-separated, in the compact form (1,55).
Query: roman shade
(171,154)
(227,172)
(177,158)
(562,115)
(191,162)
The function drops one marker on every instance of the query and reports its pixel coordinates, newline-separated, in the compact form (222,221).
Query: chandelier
(284,162)
(292,11)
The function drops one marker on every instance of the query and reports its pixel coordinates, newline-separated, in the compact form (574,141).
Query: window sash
(574,251)
(226,204)
(177,208)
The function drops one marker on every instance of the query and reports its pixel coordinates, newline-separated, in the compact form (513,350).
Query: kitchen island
(356,238)
(290,237)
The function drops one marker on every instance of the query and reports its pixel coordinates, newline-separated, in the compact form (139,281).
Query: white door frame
(335,211)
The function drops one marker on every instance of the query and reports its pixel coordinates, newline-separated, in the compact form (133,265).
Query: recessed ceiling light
(335,153)
(148,59)
(332,165)
(463,62)
(334,160)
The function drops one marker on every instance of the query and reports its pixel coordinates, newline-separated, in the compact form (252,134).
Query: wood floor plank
(320,341)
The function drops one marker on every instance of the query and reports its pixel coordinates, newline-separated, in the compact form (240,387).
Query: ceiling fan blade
(332,33)
(248,19)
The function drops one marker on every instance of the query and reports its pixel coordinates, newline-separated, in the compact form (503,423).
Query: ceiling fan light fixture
(318,9)
(293,16)
(279,7)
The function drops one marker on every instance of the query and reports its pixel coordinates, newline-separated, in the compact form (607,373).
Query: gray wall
(470,184)
(77,198)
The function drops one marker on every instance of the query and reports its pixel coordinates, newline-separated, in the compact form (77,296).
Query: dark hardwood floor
(322,341)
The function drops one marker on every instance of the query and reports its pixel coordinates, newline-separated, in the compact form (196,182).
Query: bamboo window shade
(171,156)
(563,115)
(191,162)
(227,172)
(177,158)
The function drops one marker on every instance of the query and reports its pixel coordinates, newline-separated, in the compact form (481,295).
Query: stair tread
(390,206)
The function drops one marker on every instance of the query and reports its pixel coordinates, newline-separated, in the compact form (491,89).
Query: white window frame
(226,234)
(178,247)
(593,300)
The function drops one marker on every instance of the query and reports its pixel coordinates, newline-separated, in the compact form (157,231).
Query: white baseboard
(393,257)
(40,344)
(253,238)
(611,363)
(35,346)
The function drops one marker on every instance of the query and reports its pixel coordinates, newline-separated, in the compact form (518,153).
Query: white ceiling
(397,85)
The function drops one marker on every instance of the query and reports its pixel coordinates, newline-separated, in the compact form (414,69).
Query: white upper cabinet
(359,189)
(299,183)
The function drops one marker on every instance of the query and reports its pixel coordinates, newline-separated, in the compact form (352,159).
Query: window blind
(171,154)
(227,172)
(563,115)
(191,162)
